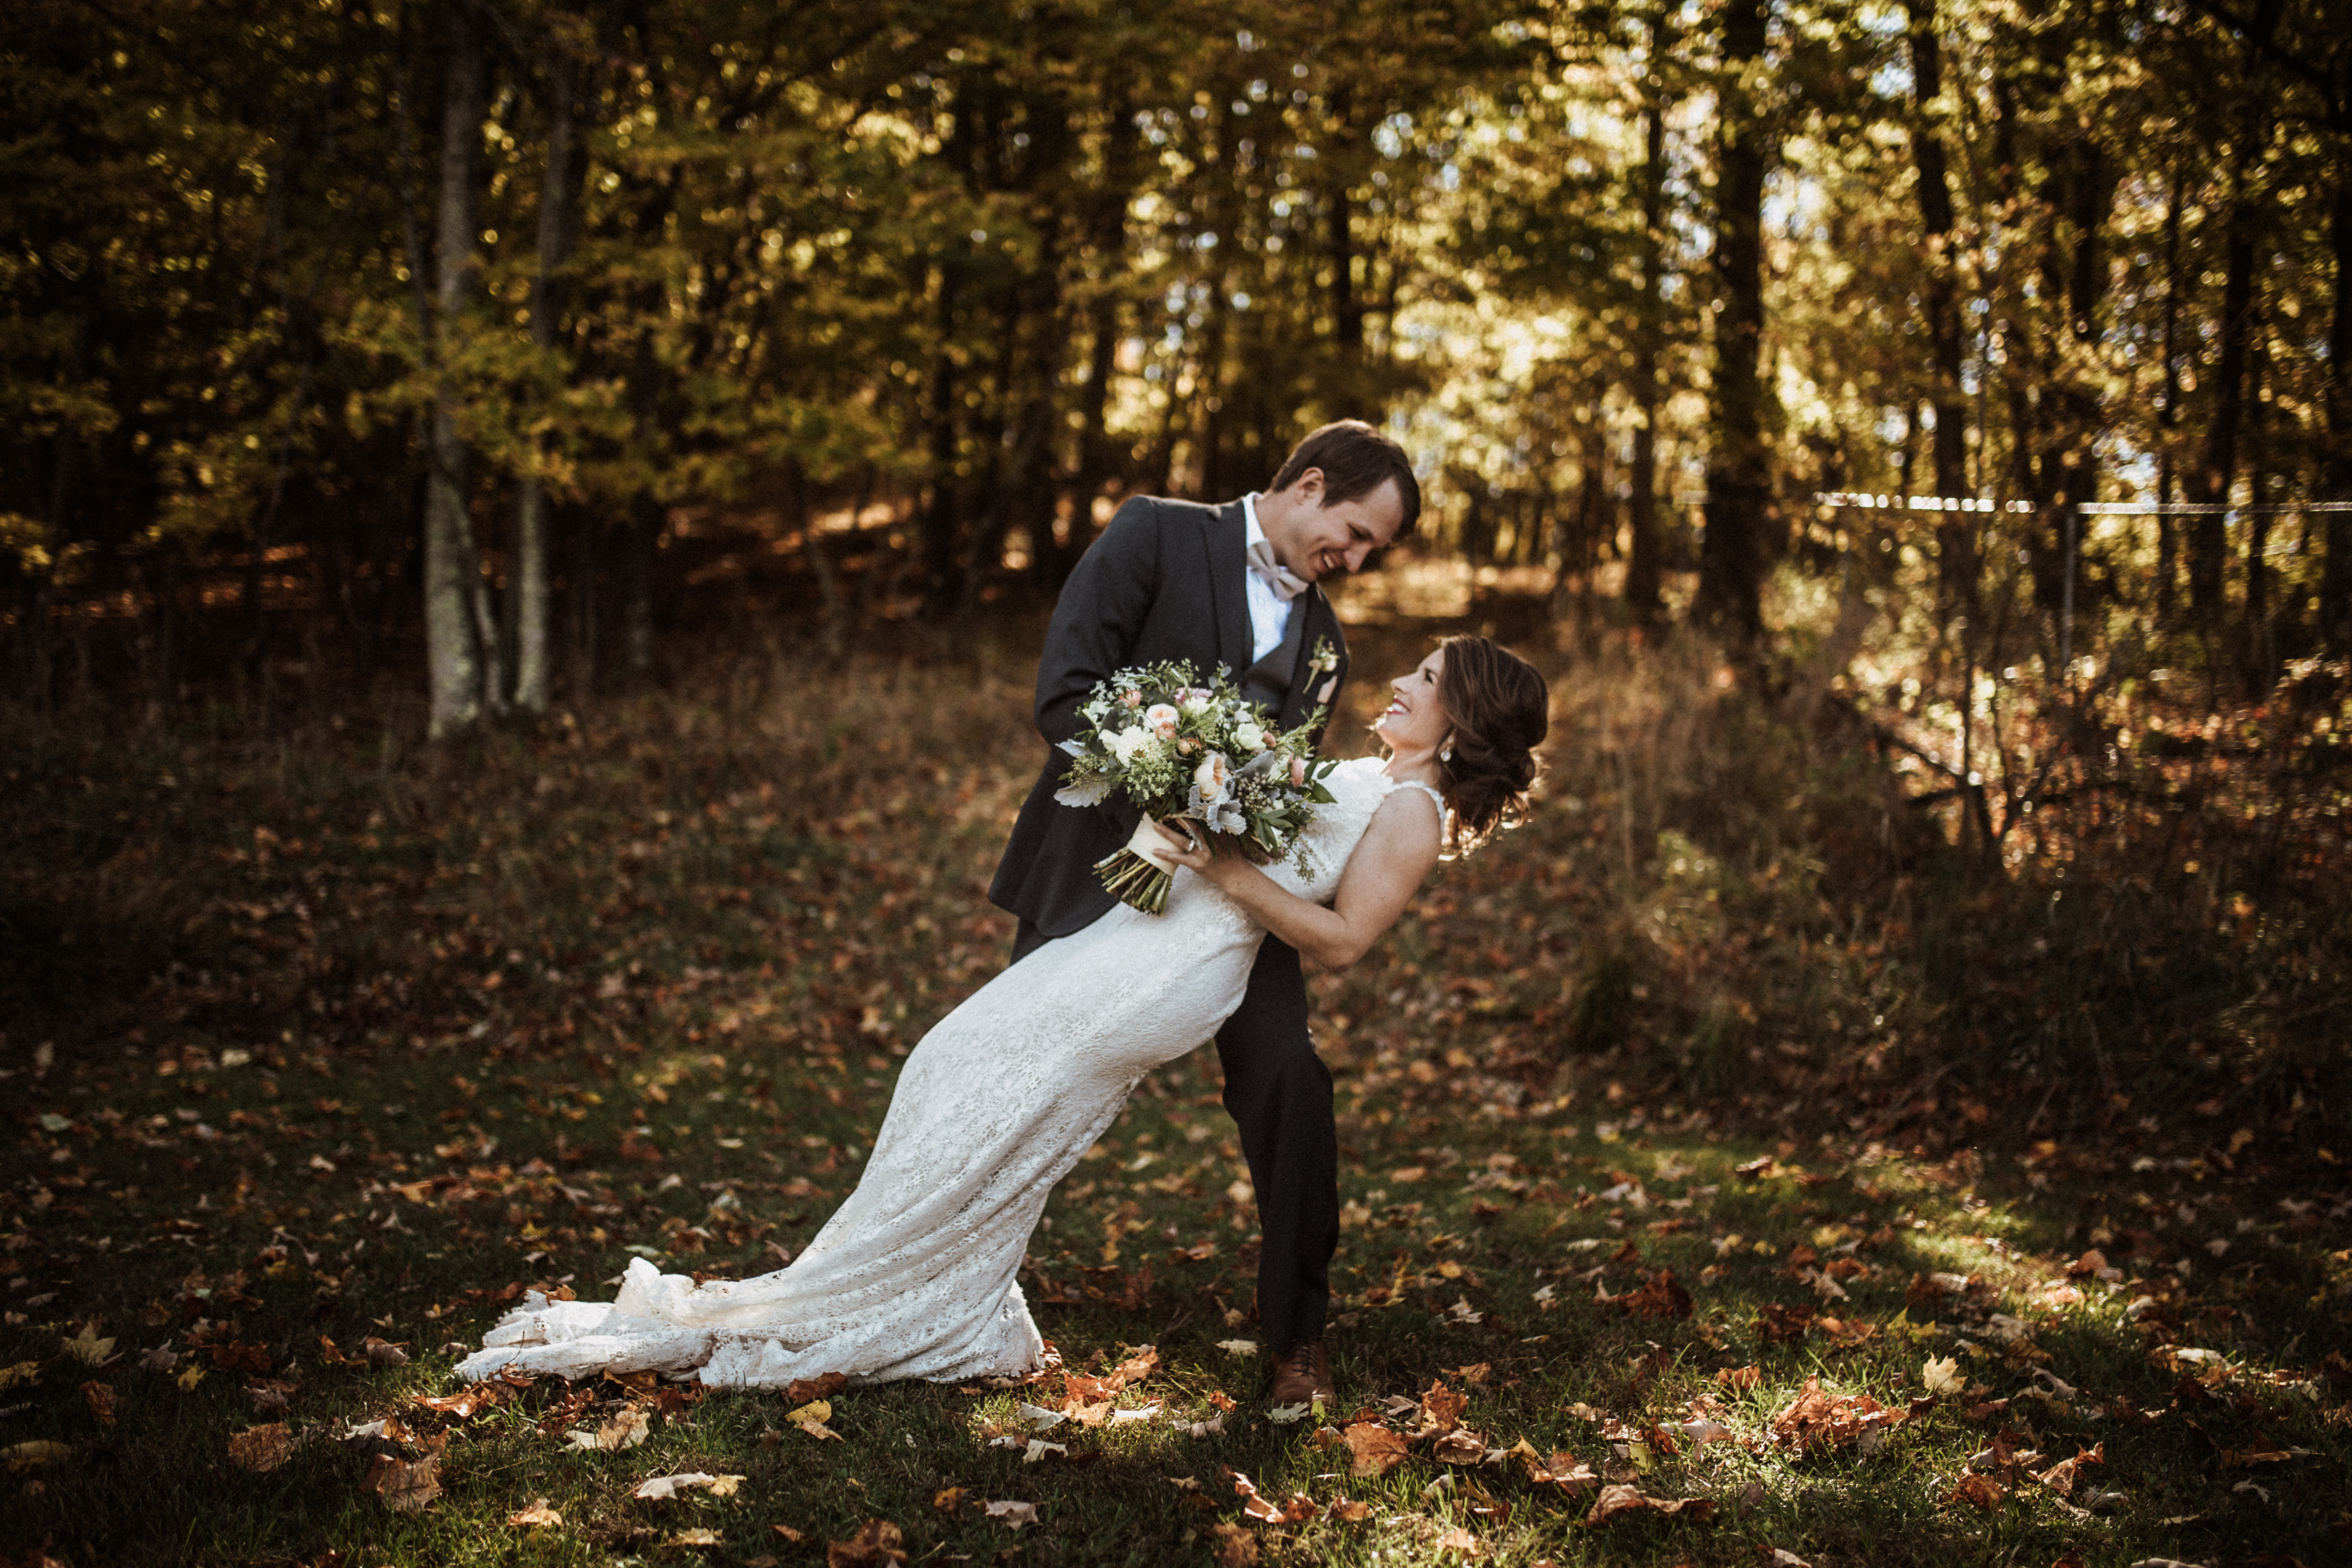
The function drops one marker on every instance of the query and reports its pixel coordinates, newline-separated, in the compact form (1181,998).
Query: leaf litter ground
(412,1044)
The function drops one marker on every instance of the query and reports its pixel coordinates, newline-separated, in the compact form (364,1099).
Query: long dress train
(914,1276)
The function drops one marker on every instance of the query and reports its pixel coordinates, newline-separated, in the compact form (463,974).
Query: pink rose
(1161,719)
(1299,772)
(1132,698)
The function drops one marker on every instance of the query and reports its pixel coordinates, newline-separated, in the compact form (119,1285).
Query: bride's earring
(1445,754)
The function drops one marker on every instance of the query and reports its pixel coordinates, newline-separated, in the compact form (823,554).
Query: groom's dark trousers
(1278,1092)
(1166,582)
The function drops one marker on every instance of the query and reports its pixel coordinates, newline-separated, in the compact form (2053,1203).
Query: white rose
(1161,719)
(1249,734)
(1125,743)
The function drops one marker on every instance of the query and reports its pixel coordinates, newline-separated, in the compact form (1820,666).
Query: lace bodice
(914,1276)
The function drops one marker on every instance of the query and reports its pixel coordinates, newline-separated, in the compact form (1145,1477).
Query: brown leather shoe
(1302,1375)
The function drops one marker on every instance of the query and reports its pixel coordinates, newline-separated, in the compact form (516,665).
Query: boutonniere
(1325,657)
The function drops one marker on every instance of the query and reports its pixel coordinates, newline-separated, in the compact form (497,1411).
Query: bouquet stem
(1139,874)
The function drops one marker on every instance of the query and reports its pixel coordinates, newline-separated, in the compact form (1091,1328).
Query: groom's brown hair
(1356,460)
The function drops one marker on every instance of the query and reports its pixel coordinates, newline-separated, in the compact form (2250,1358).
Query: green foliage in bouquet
(1202,760)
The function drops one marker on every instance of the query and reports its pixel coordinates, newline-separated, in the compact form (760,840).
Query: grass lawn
(316,1057)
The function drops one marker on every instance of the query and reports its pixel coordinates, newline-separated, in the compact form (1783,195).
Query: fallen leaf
(1346,1509)
(789,1533)
(948,1499)
(626,1430)
(812,1417)
(405,1486)
(800,1390)
(21,1455)
(381,1352)
(1375,1450)
(1289,1414)
(1982,1491)
(1235,1548)
(1943,1376)
(1038,1448)
(1459,1539)
(878,1542)
(1254,1506)
(1037,1415)
(1238,1347)
(696,1538)
(1459,1447)
(2060,1478)
(24,1371)
(656,1488)
(101,1400)
(1616,1501)
(1776,1558)
(1012,1515)
(1817,1417)
(1661,1298)
(261,1449)
(87,1347)
(1442,1408)
(537,1513)
(1702,1431)
(1140,1413)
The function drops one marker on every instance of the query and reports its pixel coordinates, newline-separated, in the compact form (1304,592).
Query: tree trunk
(647,516)
(1645,570)
(2167,412)
(559,201)
(454,662)
(2335,574)
(1732,557)
(2210,480)
(1956,542)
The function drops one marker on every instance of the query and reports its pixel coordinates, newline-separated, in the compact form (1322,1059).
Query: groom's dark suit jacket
(1165,581)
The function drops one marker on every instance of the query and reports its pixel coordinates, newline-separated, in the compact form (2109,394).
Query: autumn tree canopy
(446,309)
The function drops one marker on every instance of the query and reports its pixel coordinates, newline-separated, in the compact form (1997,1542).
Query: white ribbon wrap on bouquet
(1146,843)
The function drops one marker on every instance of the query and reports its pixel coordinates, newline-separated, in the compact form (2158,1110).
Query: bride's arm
(1399,847)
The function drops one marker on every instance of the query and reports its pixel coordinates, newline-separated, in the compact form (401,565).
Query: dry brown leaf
(2060,1478)
(405,1486)
(948,1499)
(626,1430)
(1661,1298)
(261,1449)
(1819,1417)
(656,1488)
(800,1390)
(381,1352)
(876,1544)
(1254,1506)
(1442,1408)
(1235,1548)
(1012,1515)
(1459,1447)
(1460,1540)
(1348,1508)
(789,1533)
(1375,1450)
(537,1513)
(696,1538)
(101,1400)
(1616,1501)
(1982,1491)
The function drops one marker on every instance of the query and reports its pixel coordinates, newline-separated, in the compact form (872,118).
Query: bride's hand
(1193,853)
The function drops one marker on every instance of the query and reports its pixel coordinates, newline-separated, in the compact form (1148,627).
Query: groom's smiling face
(1314,539)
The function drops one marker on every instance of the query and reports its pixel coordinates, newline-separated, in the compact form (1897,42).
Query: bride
(914,1277)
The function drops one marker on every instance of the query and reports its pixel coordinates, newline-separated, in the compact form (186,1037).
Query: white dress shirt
(1269,611)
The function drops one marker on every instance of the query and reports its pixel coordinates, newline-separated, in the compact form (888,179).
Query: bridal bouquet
(1202,760)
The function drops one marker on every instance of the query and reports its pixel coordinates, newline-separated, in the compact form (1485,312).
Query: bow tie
(1273,574)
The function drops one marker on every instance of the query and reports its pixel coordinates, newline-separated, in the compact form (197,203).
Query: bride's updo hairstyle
(1501,710)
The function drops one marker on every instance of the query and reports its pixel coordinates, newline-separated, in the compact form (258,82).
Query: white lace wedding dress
(913,1277)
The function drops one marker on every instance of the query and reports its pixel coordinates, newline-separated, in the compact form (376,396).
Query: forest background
(1916,438)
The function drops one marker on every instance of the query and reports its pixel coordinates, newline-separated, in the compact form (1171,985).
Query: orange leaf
(1375,1450)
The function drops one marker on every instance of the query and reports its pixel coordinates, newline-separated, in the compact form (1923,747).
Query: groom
(1233,585)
